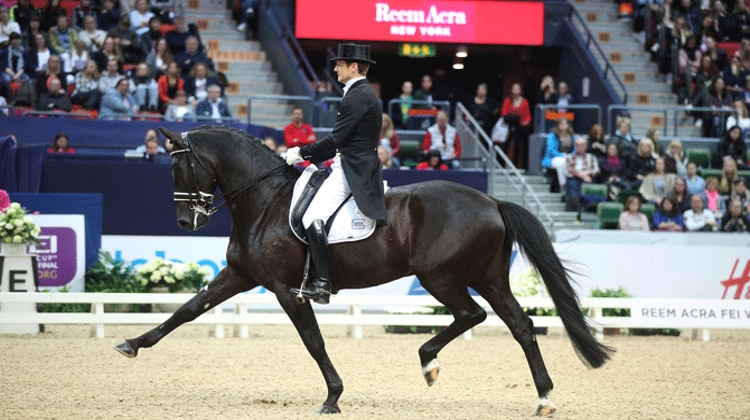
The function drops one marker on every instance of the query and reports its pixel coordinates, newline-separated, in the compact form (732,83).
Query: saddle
(347,224)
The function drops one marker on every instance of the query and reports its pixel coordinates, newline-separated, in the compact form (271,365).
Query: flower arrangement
(172,275)
(18,228)
(527,284)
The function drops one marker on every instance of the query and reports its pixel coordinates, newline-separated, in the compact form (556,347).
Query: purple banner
(56,256)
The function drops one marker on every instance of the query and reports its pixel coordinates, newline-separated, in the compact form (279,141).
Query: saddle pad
(349,224)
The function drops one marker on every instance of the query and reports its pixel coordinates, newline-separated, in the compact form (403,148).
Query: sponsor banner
(692,314)
(60,257)
(472,22)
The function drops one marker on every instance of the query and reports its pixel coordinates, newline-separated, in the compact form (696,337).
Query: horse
(450,236)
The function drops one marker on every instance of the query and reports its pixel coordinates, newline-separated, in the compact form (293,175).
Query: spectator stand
(422,117)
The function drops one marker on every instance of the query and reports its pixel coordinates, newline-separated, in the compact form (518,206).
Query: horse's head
(194,182)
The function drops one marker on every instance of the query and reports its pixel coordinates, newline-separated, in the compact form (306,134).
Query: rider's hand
(293,157)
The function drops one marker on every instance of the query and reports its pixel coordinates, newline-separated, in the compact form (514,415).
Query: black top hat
(354,52)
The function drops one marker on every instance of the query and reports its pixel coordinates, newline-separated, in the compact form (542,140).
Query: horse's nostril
(183,224)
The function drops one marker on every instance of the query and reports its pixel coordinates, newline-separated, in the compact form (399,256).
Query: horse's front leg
(304,321)
(227,284)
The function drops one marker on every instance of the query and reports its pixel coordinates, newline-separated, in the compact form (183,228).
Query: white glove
(293,157)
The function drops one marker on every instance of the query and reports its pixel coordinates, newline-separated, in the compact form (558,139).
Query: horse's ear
(172,136)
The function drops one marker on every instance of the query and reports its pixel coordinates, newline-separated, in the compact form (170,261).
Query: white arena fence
(400,311)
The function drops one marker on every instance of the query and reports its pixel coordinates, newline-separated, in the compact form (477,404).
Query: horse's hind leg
(224,286)
(507,308)
(467,314)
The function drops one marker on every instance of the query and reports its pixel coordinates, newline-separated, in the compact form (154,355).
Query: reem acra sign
(433,16)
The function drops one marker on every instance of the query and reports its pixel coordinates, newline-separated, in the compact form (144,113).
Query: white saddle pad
(349,224)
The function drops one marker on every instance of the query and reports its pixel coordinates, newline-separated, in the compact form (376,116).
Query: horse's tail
(528,232)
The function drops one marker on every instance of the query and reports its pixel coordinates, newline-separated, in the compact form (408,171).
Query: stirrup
(316,292)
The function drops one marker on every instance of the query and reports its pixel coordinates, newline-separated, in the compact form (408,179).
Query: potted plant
(526,284)
(17,230)
(108,275)
(162,276)
(620,292)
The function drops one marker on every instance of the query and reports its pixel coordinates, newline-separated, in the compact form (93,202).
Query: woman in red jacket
(169,83)
(517,115)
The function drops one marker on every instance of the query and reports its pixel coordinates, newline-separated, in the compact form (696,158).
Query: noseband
(199,202)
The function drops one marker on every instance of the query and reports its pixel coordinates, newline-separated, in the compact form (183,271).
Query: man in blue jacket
(213,106)
(118,102)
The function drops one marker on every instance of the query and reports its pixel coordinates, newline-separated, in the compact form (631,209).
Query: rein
(200,201)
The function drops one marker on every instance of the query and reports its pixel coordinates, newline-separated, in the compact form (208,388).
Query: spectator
(154,153)
(653,135)
(384,155)
(625,142)
(680,32)
(197,83)
(164,9)
(680,194)
(547,94)
(87,93)
(433,163)
(657,184)
(613,171)
(188,58)
(695,183)
(50,12)
(559,142)
(742,120)
(401,116)
(714,201)
(709,28)
(517,115)
(667,217)
(28,36)
(12,60)
(389,139)
(169,83)
(697,219)
(60,144)
(109,51)
(118,102)
(144,88)
(728,175)
(62,38)
(152,138)
(734,220)
(180,110)
(54,68)
(632,218)
(93,37)
(724,24)
(734,76)
(55,98)
(597,143)
(109,17)
(127,40)
(564,96)
(485,109)
(213,106)
(581,168)
(37,58)
(742,15)
(111,76)
(733,147)
(159,60)
(140,17)
(74,60)
(152,36)
(675,160)
(703,80)
(719,98)
(443,137)
(643,163)
(78,18)
(177,37)
(740,192)
(424,93)
(4,201)
(692,15)
(297,132)
(270,142)
(22,12)
(689,56)
(7,27)
(249,19)
(718,56)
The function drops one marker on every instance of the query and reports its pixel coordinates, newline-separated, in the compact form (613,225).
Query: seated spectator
(12,60)
(389,139)
(109,17)
(680,194)
(728,175)
(632,218)
(434,162)
(197,83)
(7,27)
(60,145)
(151,136)
(270,142)
(697,219)
(703,81)
(144,88)
(734,147)
(188,58)
(180,110)
(78,18)
(50,12)
(54,69)
(675,160)
(695,183)
(110,76)
(714,201)
(164,9)
(91,35)
(169,83)
(177,37)
(740,192)
(109,51)
(581,167)
(127,40)
(118,102)
(401,113)
(742,120)
(689,56)
(62,38)
(28,36)
(718,98)
(625,142)
(613,171)
(657,184)
(597,143)
(667,217)
(87,93)
(384,155)
(642,164)
(74,60)
(152,36)
(55,98)
(734,220)
(159,60)
(653,135)
(718,55)
(735,76)
(213,107)
(139,18)
(37,58)
(22,13)
(559,142)
(443,137)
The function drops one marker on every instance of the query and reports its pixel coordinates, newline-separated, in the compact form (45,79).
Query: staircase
(646,87)
(242,61)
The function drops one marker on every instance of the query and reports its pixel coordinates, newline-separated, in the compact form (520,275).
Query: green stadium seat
(705,173)
(648,209)
(410,152)
(592,189)
(609,214)
(622,196)
(744,174)
(701,157)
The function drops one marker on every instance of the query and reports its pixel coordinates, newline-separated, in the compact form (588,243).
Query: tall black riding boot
(319,290)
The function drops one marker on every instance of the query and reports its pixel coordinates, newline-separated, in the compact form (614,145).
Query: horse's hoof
(325,409)
(545,411)
(431,372)
(125,349)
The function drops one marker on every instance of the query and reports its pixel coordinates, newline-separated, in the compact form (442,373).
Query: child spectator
(734,220)
(632,218)
(434,162)
(667,218)
(697,219)
(60,145)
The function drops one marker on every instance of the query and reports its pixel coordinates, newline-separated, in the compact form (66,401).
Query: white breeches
(558,163)
(331,194)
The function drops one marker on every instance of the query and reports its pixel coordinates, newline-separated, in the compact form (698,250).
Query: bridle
(199,202)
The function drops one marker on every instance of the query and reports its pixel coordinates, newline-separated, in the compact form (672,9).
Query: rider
(356,169)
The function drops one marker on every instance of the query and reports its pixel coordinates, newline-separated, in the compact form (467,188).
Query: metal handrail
(58,114)
(287,33)
(722,111)
(608,66)
(611,108)
(540,109)
(443,105)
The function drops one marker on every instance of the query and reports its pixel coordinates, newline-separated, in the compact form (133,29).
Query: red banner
(473,22)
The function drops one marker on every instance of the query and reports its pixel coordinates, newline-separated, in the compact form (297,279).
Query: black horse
(451,236)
